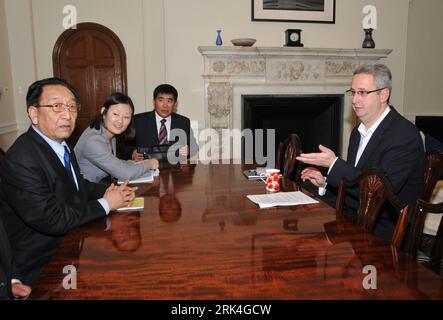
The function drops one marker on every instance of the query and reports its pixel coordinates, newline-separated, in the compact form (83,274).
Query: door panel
(91,58)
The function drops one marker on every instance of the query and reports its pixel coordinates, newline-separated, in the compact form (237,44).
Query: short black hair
(116,98)
(166,88)
(35,90)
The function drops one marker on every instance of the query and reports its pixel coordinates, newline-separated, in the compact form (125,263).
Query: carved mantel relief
(269,68)
(219,104)
(340,68)
(294,70)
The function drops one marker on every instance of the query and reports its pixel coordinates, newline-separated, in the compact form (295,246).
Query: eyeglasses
(361,93)
(59,107)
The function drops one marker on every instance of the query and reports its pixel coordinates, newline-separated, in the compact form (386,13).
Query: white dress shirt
(366,134)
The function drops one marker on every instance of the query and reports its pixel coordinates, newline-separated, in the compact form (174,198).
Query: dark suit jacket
(146,132)
(45,202)
(6,264)
(396,148)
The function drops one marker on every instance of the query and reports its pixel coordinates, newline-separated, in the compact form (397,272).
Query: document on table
(281,199)
(136,205)
(145,179)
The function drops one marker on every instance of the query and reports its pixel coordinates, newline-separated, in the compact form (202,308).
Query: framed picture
(313,11)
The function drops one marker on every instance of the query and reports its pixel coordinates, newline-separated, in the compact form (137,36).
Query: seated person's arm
(97,152)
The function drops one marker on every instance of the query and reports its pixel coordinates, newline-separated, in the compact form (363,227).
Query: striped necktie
(163,134)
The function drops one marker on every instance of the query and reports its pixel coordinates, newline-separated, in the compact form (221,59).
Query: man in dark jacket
(384,140)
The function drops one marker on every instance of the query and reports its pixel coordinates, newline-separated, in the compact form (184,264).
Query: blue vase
(219,40)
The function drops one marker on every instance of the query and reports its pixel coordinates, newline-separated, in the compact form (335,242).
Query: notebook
(136,205)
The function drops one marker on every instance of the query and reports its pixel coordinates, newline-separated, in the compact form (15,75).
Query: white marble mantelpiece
(231,72)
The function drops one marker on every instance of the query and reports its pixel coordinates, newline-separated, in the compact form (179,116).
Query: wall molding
(18,127)
(8,128)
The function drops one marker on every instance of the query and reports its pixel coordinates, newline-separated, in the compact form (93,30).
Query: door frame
(95,27)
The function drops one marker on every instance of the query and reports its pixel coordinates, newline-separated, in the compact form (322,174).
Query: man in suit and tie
(42,183)
(154,128)
(384,139)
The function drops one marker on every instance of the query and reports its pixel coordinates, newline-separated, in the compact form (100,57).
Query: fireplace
(252,87)
(317,119)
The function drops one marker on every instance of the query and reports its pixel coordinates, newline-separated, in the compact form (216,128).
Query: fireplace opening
(317,119)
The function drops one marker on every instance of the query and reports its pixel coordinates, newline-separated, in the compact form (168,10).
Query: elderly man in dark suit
(384,139)
(42,183)
(154,128)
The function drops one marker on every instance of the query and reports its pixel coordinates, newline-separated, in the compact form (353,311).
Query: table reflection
(199,237)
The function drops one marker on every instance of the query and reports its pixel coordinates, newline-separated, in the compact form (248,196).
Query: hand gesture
(20,291)
(314,175)
(324,158)
(153,163)
(184,151)
(119,196)
(137,156)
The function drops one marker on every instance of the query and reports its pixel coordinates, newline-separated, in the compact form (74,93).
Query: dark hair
(166,88)
(115,98)
(35,90)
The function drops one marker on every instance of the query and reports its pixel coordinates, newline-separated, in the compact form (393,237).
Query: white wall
(424,59)
(125,18)
(7,119)
(22,60)
(190,24)
(161,39)
(6,99)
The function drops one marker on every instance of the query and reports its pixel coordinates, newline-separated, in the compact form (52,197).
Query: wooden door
(92,58)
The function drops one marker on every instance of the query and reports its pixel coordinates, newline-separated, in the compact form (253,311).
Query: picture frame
(306,11)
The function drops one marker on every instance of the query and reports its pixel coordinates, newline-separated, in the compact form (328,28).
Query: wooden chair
(287,152)
(433,172)
(374,189)
(433,258)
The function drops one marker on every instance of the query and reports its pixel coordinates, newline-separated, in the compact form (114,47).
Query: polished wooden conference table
(199,237)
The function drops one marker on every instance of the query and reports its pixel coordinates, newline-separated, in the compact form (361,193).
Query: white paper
(281,199)
(145,179)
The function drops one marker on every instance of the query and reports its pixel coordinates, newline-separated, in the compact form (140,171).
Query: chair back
(422,209)
(433,172)
(374,189)
(287,152)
